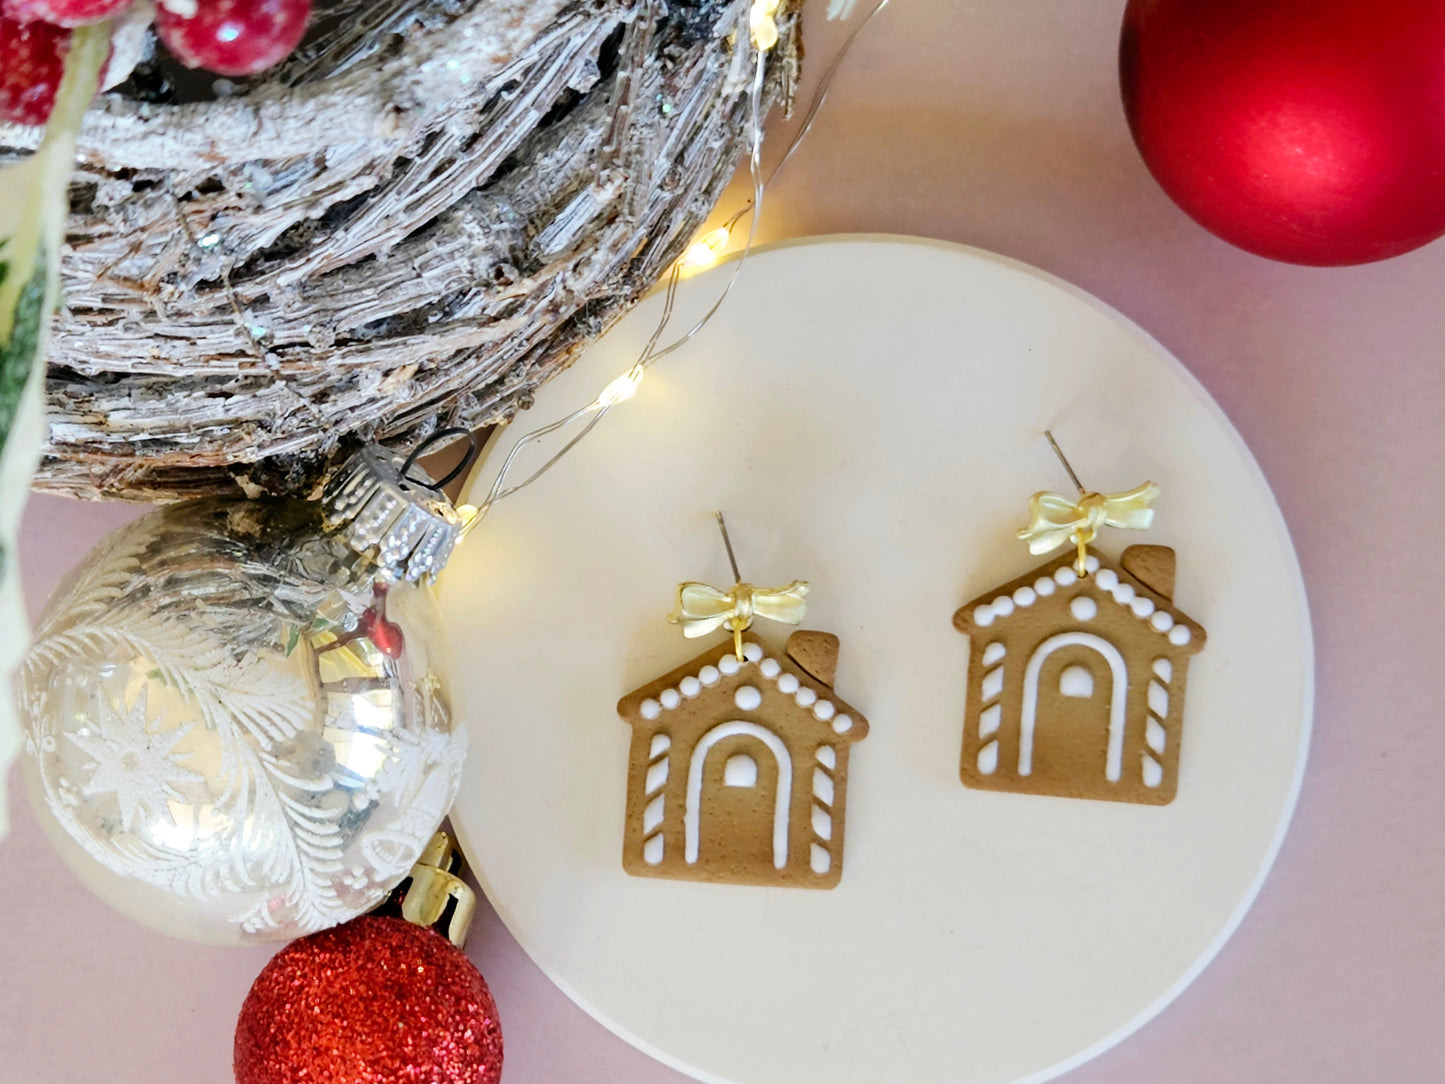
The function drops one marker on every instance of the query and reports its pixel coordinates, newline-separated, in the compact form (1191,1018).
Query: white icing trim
(661,743)
(1109,582)
(1083,608)
(819,860)
(1153,772)
(1114,763)
(692,810)
(827,756)
(740,770)
(1076,681)
(652,815)
(771,669)
(989,719)
(988,758)
(842,724)
(822,786)
(993,652)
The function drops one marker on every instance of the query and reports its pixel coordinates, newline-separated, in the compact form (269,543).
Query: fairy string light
(701,254)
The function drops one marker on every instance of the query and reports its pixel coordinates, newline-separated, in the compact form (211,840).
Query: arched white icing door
(739,786)
(1076,688)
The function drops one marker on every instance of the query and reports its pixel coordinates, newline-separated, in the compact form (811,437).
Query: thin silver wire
(597,409)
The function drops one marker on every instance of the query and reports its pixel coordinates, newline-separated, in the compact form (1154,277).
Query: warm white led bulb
(621,389)
(706,250)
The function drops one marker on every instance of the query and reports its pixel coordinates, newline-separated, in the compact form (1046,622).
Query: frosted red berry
(32,60)
(234,37)
(62,12)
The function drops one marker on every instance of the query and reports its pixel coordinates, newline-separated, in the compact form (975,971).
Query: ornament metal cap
(427,896)
(389,509)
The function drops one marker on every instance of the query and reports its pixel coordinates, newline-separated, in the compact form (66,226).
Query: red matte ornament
(1309,131)
(375,1001)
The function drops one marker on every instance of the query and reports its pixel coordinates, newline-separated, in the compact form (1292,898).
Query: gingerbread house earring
(739,759)
(1077,668)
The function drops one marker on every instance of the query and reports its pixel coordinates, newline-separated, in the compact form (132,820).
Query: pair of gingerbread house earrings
(739,759)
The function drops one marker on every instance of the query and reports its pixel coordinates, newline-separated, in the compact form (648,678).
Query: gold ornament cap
(391,510)
(435,895)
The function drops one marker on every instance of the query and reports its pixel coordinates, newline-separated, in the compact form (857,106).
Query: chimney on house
(1153,566)
(815,652)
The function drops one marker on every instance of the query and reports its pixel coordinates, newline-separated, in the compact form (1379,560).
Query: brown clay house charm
(739,768)
(1076,684)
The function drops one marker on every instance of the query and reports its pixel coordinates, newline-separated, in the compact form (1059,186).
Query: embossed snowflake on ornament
(238,711)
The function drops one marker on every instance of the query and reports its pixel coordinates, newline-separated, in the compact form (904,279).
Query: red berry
(234,37)
(32,60)
(62,12)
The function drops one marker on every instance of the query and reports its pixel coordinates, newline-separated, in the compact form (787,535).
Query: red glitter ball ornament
(1309,131)
(375,1001)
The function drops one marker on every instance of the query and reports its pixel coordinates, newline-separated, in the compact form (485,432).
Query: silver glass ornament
(239,721)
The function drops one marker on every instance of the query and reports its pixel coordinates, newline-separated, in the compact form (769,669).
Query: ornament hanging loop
(421,448)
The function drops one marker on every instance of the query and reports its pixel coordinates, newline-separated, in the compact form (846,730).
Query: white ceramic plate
(869,413)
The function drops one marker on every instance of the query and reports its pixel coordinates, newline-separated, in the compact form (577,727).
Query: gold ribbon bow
(1055,519)
(701,609)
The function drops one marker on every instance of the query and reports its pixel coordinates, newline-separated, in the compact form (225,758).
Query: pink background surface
(997,123)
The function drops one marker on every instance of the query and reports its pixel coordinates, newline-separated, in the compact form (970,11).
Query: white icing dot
(1025,596)
(752,652)
(650,709)
(842,724)
(805,697)
(728,664)
(1142,606)
(690,686)
(1124,593)
(1091,563)
(983,616)
(824,709)
(770,668)
(747,698)
(788,683)
(1003,605)
(1107,579)
(1162,620)
(1066,576)
(670,698)
(1179,635)
(1083,608)
(708,675)
(1044,586)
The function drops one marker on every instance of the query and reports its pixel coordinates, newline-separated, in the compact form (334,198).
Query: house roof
(1107,581)
(719,673)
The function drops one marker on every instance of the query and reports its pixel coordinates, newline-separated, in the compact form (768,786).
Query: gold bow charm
(1055,519)
(701,609)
